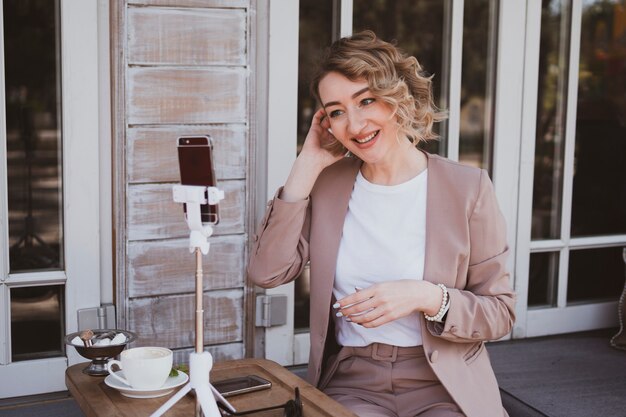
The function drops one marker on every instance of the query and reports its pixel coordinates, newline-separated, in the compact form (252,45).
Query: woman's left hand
(388,301)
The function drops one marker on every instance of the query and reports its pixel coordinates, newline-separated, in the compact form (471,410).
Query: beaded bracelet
(444,304)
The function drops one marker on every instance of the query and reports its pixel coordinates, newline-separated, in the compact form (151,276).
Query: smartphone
(241,385)
(195,160)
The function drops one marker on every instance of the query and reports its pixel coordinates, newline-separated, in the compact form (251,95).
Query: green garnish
(180,367)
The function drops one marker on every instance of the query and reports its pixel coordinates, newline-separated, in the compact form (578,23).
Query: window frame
(79,20)
(540,321)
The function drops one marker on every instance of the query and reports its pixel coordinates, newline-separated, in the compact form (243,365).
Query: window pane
(543,279)
(316,30)
(418,27)
(37,322)
(550,129)
(599,194)
(316,33)
(595,275)
(480,28)
(33,134)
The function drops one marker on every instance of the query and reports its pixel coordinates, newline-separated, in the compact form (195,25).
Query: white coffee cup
(144,368)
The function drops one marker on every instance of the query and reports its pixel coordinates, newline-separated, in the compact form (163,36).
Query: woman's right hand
(313,158)
(320,144)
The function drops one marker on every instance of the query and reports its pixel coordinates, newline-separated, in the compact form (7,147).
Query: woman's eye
(367,101)
(335,113)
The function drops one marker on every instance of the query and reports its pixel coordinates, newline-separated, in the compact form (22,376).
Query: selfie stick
(200,362)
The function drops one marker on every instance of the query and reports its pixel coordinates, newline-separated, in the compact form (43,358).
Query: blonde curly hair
(392,76)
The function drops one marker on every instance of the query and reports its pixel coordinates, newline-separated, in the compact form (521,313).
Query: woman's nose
(356,123)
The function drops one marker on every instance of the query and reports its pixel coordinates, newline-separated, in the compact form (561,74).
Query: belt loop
(376,356)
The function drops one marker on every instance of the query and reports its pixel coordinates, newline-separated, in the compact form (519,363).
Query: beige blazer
(466,251)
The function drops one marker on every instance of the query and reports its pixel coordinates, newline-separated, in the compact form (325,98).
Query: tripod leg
(207,401)
(169,403)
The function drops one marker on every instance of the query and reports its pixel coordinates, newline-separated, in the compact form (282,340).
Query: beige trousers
(382,380)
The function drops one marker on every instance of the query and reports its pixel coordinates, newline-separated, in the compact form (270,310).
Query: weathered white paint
(159,267)
(193,3)
(170,320)
(152,155)
(165,36)
(153,214)
(161,95)
(186,73)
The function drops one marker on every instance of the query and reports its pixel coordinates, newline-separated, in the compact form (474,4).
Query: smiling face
(363,123)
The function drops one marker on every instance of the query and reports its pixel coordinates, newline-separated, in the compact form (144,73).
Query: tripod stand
(200,362)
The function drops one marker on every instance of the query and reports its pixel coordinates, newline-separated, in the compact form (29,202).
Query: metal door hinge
(271,310)
(97,317)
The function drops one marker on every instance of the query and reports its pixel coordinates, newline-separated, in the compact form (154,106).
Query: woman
(407,250)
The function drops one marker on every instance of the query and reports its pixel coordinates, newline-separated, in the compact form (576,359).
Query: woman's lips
(367,139)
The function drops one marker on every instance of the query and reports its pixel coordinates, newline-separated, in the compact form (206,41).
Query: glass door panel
(599,193)
(37,322)
(543,279)
(32,81)
(550,129)
(478,79)
(32,84)
(315,34)
(595,275)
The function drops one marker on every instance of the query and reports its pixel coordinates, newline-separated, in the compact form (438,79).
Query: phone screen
(195,160)
(240,385)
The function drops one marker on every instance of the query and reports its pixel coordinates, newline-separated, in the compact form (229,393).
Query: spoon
(86,336)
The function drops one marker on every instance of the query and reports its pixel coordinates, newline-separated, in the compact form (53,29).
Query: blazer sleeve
(485,308)
(281,244)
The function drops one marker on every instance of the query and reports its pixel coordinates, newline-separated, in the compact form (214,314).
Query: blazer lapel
(329,213)
(436,226)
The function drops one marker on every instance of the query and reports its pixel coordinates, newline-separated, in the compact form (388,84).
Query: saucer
(128,391)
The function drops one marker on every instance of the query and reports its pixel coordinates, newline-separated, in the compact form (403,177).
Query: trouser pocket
(331,367)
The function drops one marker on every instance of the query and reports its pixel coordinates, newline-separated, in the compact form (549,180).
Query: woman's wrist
(442,307)
(430,295)
(302,177)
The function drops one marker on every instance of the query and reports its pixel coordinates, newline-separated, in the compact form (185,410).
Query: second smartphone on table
(241,385)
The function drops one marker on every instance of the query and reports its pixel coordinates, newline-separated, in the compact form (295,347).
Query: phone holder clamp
(194,196)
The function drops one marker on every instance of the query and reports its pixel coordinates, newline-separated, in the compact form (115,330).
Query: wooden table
(96,399)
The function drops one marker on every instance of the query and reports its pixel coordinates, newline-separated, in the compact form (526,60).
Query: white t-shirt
(384,238)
